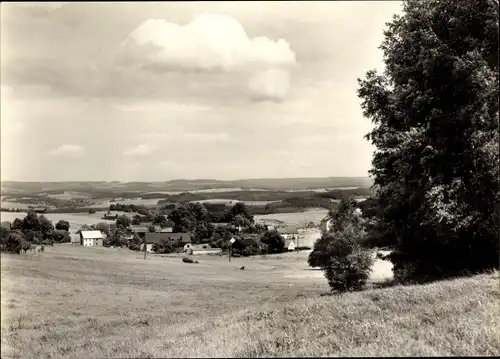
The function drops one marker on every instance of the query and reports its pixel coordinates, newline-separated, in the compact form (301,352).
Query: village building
(110,217)
(201,249)
(139,230)
(91,238)
(160,238)
(289,232)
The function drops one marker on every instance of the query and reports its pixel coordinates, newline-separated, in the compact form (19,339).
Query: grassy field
(80,302)
(76,220)
(295,219)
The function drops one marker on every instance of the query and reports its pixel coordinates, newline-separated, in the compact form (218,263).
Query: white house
(289,232)
(91,238)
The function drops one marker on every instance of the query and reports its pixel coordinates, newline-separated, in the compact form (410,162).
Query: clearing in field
(95,302)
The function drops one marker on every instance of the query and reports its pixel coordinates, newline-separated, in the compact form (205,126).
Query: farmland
(112,303)
(294,219)
(75,220)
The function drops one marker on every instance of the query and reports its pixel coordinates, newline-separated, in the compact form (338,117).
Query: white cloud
(210,42)
(141,150)
(164,107)
(67,150)
(271,84)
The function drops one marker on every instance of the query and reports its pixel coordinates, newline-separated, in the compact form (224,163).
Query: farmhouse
(159,238)
(200,249)
(289,232)
(139,230)
(91,238)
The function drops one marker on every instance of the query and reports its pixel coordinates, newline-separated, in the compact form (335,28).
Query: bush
(274,241)
(349,265)
(187,260)
(16,241)
(350,272)
(134,247)
(346,264)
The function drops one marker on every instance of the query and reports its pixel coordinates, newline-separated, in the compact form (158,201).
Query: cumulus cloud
(210,42)
(67,150)
(141,150)
(271,84)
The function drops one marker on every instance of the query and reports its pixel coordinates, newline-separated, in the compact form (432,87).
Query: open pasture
(295,219)
(80,302)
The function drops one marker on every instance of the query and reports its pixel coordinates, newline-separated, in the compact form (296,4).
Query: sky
(156,91)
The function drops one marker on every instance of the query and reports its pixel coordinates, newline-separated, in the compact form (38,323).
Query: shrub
(16,241)
(187,260)
(274,241)
(349,265)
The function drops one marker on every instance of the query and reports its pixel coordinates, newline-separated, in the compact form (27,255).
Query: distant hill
(189,184)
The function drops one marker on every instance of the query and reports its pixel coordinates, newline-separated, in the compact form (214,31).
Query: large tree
(62,224)
(240,209)
(435,111)
(194,218)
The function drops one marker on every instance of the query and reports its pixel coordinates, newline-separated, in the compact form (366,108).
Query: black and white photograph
(215,179)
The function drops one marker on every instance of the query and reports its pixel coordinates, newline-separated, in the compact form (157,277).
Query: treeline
(243,196)
(33,229)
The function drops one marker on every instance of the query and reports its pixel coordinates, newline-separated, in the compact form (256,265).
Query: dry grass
(94,302)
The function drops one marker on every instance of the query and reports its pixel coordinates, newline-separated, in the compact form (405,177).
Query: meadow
(80,302)
(294,219)
(76,220)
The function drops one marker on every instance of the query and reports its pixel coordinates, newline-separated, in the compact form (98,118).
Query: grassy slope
(111,303)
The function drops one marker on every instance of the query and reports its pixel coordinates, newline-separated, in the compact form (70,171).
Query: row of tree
(32,229)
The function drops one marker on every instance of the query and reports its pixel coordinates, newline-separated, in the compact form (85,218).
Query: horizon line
(191,179)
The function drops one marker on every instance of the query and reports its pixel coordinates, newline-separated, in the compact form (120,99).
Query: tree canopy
(435,116)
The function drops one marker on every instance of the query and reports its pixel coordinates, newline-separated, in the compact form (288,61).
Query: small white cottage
(91,238)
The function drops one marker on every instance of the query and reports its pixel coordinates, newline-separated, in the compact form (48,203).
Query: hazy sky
(159,91)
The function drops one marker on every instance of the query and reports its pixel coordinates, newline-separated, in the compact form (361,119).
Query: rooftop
(91,235)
